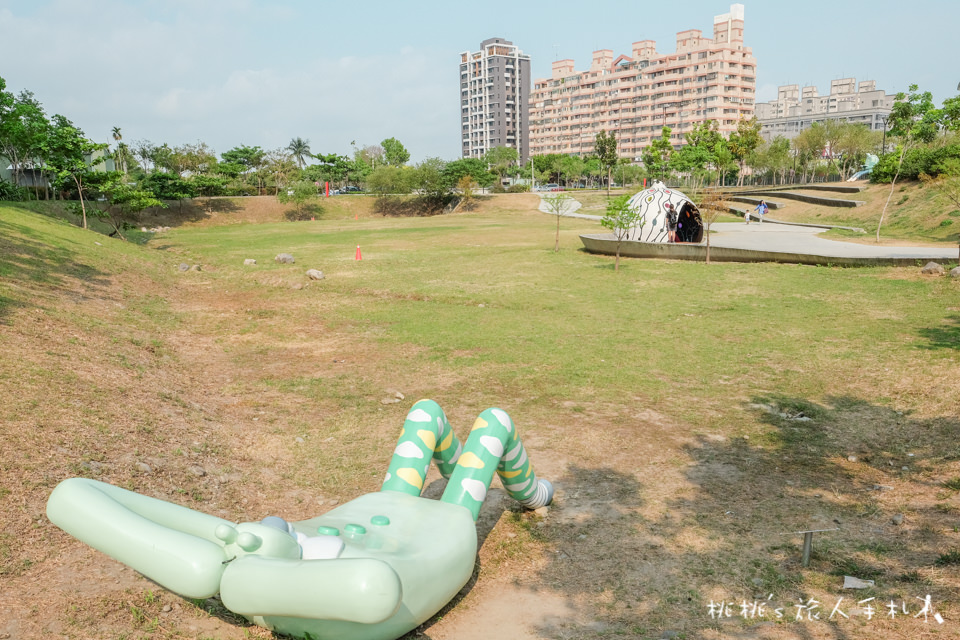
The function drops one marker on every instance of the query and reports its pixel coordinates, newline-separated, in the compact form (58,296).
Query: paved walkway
(782,237)
(570,206)
(787,238)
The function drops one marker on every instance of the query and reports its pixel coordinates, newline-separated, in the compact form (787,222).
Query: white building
(795,110)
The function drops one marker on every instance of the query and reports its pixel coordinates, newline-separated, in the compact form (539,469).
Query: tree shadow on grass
(943,337)
(308,211)
(728,532)
(28,257)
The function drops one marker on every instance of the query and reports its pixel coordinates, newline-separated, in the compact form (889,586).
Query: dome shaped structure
(653,224)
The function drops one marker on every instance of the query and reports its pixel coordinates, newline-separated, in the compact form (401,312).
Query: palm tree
(120,154)
(300,149)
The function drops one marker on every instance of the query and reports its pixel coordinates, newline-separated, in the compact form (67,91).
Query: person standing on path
(761,210)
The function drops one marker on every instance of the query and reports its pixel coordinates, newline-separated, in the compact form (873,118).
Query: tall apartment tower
(634,96)
(494,91)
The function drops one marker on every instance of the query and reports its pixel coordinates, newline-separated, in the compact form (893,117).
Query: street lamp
(883,149)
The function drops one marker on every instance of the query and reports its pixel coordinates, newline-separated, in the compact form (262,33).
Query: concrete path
(794,239)
(570,206)
(783,237)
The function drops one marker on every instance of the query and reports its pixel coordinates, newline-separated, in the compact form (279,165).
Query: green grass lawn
(689,413)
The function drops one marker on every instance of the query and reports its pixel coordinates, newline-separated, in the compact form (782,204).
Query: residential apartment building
(795,110)
(494,90)
(635,96)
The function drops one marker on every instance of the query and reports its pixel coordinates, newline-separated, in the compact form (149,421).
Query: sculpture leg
(426,433)
(494,445)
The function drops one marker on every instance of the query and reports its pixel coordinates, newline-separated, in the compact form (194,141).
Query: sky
(262,72)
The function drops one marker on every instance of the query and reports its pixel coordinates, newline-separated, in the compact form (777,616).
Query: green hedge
(932,161)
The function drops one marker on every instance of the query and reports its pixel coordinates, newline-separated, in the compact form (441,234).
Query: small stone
(542,511)
(315,274)
(904,468)
(757,582)
(933,269)
(389,401)
(197,470)
(897,519)
(184,266)
(167,608)
(398,395)
(333,501)
(249,261)
(300,440)
(284,258)
(143,467)
(852,458)
(92,466)
(666,635)
(955,272)
(196,267)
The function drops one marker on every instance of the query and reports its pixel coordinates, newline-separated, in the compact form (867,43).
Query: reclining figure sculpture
(371,569)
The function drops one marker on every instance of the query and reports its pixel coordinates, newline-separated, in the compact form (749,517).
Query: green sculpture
(371,569)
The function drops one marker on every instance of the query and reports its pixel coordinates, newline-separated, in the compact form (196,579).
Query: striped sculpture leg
(494,445)
(426,433)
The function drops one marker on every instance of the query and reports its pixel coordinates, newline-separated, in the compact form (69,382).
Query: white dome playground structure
(653,222)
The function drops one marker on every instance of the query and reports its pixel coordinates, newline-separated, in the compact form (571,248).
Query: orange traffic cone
(359,257)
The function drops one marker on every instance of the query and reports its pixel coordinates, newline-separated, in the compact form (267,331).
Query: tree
(143,151)
(948,188)
(300,150)
(300,194)
(605,148)
(657,156)
(724,160)
(808,146)
(386,180)
(711,206)
(692,159)
(430,180)
(743,142)
(394,153)
(557,204)
(65,151)
(125,202)
(169,186)
(913,119)
(23,130)
(473,167)
(280,166)
(122,153)
(467,185)
(571,168)
(500,159)
(620,219)
(250,159)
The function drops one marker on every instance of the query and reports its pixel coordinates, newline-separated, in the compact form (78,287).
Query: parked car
(552,186)
(351,189)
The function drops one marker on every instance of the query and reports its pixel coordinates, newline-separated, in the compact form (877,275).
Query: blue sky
(259,72)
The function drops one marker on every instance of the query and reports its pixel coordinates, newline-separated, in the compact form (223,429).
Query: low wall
(821,200)
(606,244)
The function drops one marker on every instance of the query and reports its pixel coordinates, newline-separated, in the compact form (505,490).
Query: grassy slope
(915,213)
(668,389)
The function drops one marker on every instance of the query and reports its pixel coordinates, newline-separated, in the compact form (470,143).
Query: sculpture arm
(350,589)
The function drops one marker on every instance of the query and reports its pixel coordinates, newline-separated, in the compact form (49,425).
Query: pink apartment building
(635,96)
